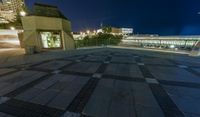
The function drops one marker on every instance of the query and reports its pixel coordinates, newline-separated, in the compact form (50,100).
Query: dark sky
(164,17)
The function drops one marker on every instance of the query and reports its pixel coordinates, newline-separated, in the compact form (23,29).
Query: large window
(51,39)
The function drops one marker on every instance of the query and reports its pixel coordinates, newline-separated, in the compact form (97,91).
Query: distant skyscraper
(9,9)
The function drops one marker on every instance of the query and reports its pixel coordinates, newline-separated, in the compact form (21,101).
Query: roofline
(45,5)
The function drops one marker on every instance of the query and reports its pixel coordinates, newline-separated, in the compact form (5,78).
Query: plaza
(102,82)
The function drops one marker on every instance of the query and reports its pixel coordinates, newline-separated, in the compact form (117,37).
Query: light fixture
(22,13)
(88,32)
(172,46)
(12,28)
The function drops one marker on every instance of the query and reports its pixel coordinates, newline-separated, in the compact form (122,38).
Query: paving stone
(97,75)
(45,97)
(143,95)
(197,70)
(95,58)
(187,99)
(194,64)
(173,74)
(53,65)
(157,61)
(84,67)
(140,64)
(59,86)
(122,100)
(151,81)
(56,71)
(71,114)
(148,111)
(98,105)
(78,61)
(5,71)
(191,114)
(119,59)
(49,82)
(18,79)
(123,70)
(182,66)
(5,115)
(3,99)
(106,62)
(29,94)
(62,100)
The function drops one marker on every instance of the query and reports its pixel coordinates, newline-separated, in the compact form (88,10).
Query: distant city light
(88,32)
(12,28)
(8,2)
(22,13)
(172,46)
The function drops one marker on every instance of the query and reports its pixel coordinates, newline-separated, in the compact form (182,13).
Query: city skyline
(172,17)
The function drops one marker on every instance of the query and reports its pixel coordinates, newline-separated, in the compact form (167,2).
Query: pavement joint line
(151,81)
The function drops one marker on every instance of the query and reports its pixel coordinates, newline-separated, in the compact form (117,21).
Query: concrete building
(46,29)
(191,43)
(9,9)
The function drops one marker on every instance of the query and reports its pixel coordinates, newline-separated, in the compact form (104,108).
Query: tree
(107,29)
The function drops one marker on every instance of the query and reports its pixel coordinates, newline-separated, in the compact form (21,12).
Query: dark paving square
(197,70)
(187,102)
(155,61)
(5,71)
(120,59)
(95,58)
(120,98)
(84,67)
(53,65)
(173,74)
(13,81)
(127,70)
(186,63)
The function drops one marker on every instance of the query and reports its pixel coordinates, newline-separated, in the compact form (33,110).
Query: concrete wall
(33,24)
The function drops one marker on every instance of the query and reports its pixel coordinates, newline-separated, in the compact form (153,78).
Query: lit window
(51,39)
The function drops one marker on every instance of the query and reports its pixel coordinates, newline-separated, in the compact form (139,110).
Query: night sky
(163,17)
